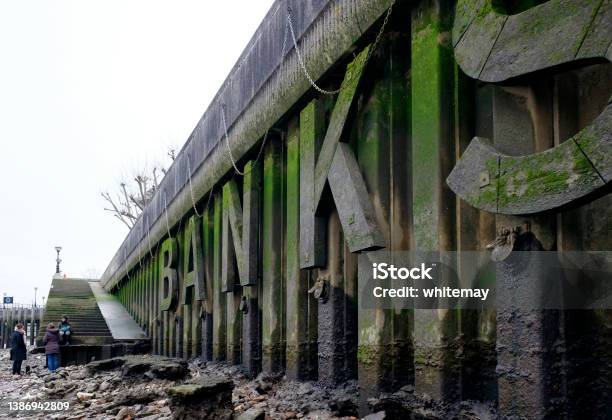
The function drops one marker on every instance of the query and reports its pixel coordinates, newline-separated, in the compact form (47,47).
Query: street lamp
(57,260)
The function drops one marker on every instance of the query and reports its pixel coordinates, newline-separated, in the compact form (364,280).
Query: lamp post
(57,260)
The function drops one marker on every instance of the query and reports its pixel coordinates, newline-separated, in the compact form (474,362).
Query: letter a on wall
(193,262)
(169,277)
(336,165)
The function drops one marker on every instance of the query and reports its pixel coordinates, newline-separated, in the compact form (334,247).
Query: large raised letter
(169,283)
(241,229)
(193,263)
(336,164)
(493,47)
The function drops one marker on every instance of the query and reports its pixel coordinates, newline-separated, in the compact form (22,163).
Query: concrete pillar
(136,295)
(234,326)
(273,296)
(127,294)
(219,298)
(206,313)
(251,327)
(474,231)
(381,141)
(143,279)
(139,294)
(579,98)
(337,309)
(433,209)
(252,281)
(179,318)
(301,309)
(529,342)
(131,289)
(147,296)
(157,318)
(230,259)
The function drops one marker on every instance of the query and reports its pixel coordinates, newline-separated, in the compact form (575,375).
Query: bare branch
(133,197)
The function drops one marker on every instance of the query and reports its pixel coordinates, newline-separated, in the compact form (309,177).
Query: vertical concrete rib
(207,305)
(381,138)
(219,299)
(436,370)
(298,358)
(273,284)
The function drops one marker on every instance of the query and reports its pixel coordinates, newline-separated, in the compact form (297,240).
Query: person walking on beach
(18,348)
(52,349)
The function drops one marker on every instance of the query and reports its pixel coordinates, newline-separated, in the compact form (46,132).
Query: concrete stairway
(75,299)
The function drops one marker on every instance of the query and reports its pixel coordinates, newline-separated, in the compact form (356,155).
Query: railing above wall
(254,96)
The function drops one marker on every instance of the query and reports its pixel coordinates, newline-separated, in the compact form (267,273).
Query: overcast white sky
(89,92)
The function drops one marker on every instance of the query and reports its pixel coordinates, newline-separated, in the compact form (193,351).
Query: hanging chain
(288,28)
(166,213)
(125,265)
(263,143)
(148,234)
(303,65)
(191,187)
(138,246)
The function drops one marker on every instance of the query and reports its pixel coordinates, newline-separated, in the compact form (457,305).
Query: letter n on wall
(241,229)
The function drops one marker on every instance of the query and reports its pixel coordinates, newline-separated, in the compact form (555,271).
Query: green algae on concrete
(193,262)
(169,264)
(433,205)
(536,182)
(494,47)
(273,296)
(299,366)
(219,300)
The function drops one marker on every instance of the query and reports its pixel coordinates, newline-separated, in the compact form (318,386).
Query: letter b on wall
(169,278)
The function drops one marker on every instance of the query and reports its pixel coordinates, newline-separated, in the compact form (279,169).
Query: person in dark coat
(51,341)
(18,348)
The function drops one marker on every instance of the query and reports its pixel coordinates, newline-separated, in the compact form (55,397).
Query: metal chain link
(166,213)
(303,65)
(125,265)
(263,143)
(288,27)
(148,234)
(139,254)
(191,186)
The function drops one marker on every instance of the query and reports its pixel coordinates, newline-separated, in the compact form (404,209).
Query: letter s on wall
(493,48)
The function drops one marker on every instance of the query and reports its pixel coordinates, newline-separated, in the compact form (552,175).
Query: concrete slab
(119,321)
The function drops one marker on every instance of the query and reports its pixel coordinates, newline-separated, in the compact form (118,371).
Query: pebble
(94,395)
(84,396)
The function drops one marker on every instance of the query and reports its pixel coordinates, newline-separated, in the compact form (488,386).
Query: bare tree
(131,199)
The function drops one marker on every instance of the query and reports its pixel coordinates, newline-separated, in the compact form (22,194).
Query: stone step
(75,299)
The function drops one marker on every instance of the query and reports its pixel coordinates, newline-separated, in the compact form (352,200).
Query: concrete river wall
(455,124)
